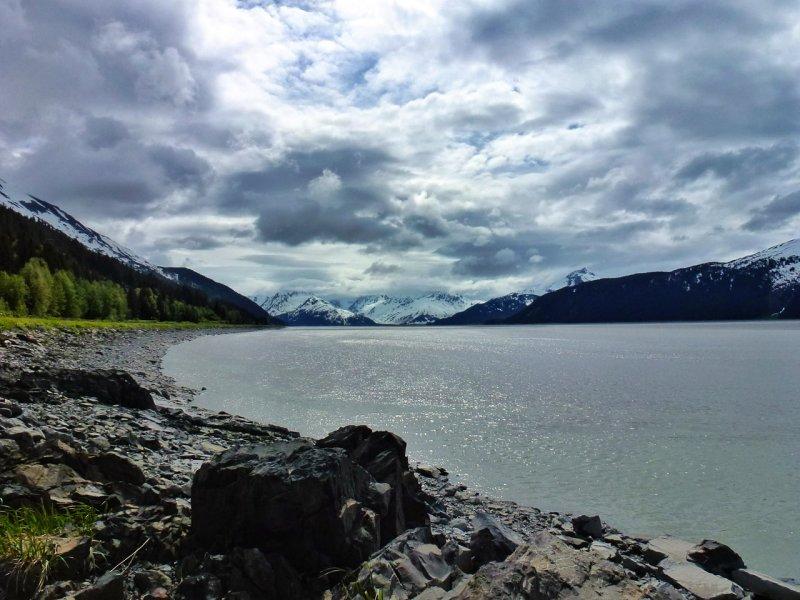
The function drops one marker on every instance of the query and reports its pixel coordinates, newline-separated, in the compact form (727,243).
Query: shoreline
(167,445)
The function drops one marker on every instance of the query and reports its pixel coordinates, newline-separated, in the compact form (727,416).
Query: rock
(408,565)
(26,437)
(491,540)
(765,586)
(675,549)
(9,409)
(107,587)
(200,587)
(109,386)
(548,569)
(701,583)
(588,526)
(47,477)
(716,558)
(383,455)
(291,498)
(604,550)
(113,466)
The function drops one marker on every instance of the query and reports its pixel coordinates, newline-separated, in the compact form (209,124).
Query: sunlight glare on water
(688,429)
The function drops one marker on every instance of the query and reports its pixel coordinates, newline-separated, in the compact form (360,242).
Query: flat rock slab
(674,549)
(766,586)
(701,583)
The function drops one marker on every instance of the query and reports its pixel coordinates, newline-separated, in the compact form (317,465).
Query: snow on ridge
(35,208)
(787,256)
(572,279)
(406,310)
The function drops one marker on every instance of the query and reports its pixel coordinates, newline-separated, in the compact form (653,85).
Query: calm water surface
(688,429)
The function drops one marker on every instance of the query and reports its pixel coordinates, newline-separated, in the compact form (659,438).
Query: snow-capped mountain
(283,302)
(495,309)
(416,310)
(762,285)
(572,279)
(316,311)
(782,261)
(34,208)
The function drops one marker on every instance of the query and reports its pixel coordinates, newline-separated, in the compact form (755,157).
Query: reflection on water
(689,429)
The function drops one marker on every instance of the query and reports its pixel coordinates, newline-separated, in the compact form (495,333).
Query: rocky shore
(192,504)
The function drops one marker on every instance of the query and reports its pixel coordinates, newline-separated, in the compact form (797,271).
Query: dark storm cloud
(775,213)
(740,166)
(379,268)
(105,132)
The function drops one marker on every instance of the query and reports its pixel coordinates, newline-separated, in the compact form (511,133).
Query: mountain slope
(316,311)
(34,208)
(417,310)
(572,279)
(492,310)
(217,291)
(765,284)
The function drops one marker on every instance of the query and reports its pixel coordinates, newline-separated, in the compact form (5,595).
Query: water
(688,429)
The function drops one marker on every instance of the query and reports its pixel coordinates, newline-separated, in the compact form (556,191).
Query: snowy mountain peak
(786,258)
(35,208)
(317,311)
(572,279)
(414,310)
(283,302)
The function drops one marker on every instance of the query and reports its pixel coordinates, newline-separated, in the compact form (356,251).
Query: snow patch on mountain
(306,308)
(35,208)
(572,279)
(283,302)
(410,310)
(786,259)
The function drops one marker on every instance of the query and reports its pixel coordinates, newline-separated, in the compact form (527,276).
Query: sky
(352,146)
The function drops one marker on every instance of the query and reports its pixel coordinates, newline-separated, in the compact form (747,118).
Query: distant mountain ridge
(761,285)
(305,308)
(415,310)
(496,309)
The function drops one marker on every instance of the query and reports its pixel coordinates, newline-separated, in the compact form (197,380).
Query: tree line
(37,291)
(104,288)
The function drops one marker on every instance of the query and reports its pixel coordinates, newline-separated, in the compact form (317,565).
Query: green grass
(29,540)
(77,324)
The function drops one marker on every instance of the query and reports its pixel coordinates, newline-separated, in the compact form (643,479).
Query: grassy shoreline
(7,323)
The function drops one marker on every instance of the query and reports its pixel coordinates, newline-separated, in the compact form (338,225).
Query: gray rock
(291,498)
(588,526)
(663,547)
(716,558)
(766,586)
(108,587)
(113,466)
(701,583)
(491,540)
(109,386)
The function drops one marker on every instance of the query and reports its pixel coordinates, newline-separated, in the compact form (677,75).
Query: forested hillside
(46,273)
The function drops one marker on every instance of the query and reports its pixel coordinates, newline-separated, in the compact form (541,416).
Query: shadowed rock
(293,498)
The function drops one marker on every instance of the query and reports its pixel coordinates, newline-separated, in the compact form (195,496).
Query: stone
(603,550)
(108,386)
(203,586)
(491,540)
(109,586)
(26,437)
(701,583)
(293,498)
(383,455)
(588,526)
(716,558)
(9,409)
(549,569)
(47,477)
(113,466)
(766,586)
(663,547)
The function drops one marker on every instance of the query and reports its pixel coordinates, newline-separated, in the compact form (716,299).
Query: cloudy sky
(352,146)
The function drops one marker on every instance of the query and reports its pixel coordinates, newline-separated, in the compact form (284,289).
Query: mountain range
(761,285)
(88,253)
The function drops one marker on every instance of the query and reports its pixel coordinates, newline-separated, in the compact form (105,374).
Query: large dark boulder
(383,455)
(306,503)
(491,540)
(109,386)
(716,558)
